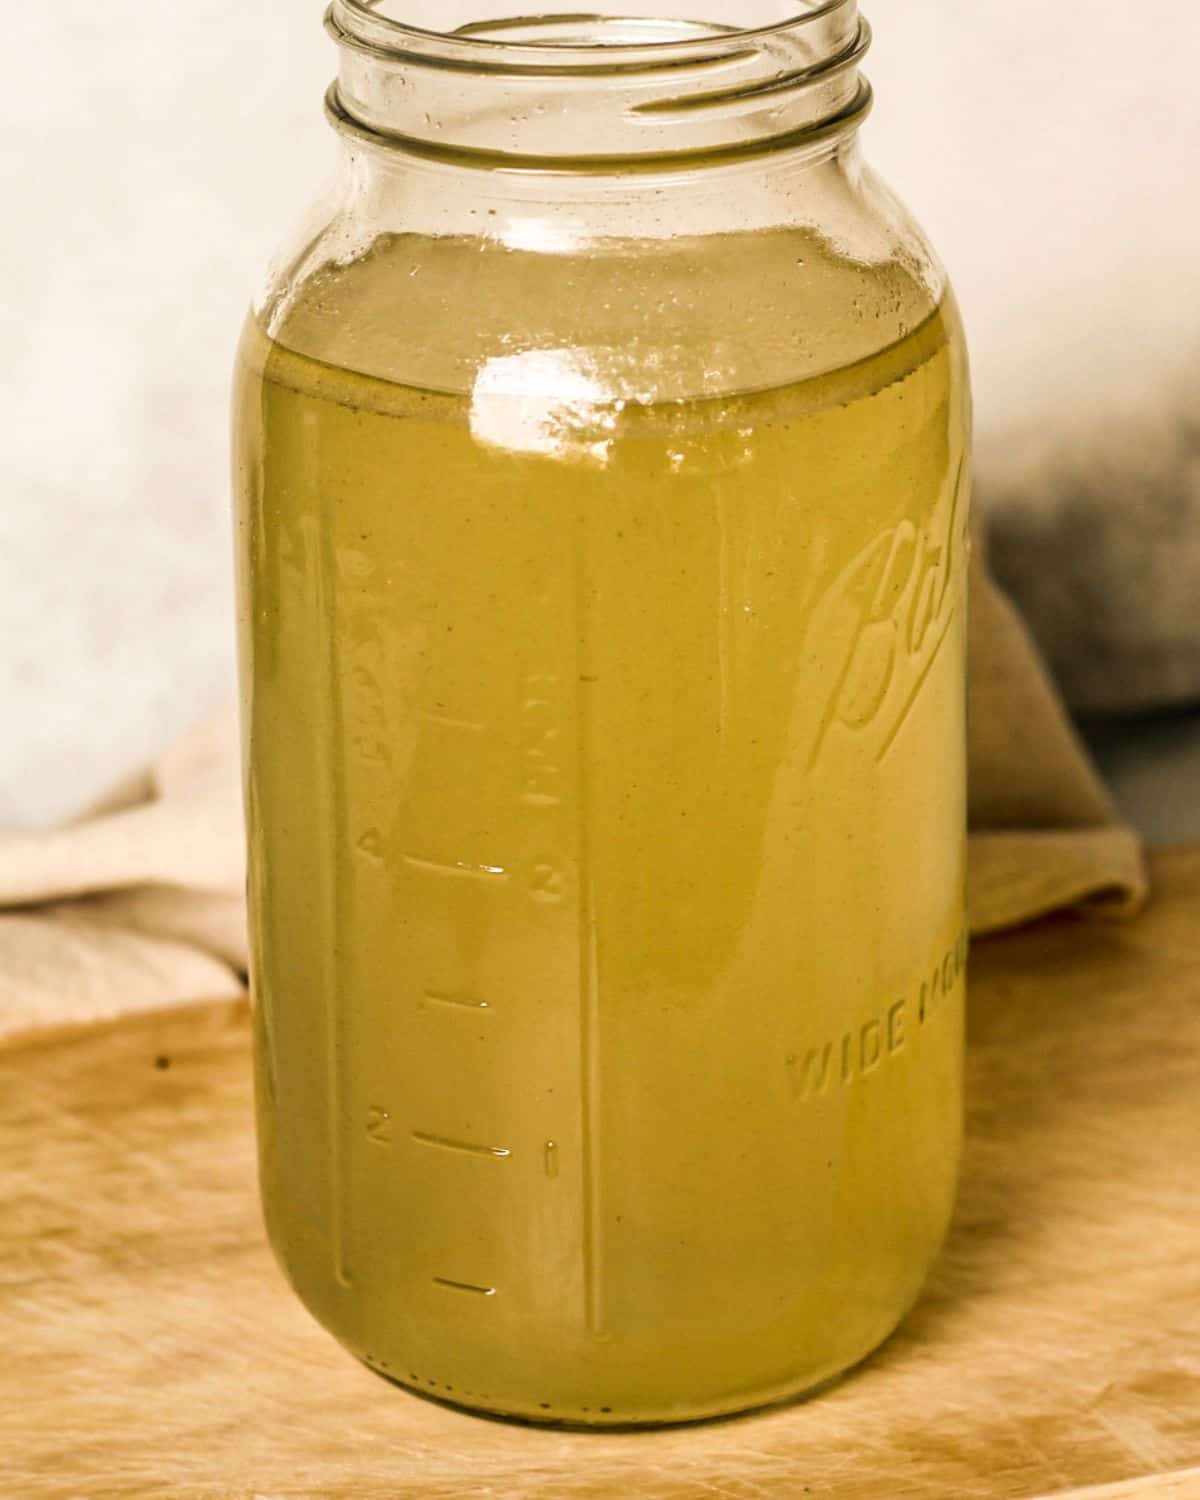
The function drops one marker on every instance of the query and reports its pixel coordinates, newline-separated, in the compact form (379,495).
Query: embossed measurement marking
(466,1002)
(541,773)
(590,1072)
(457,867)
(447,721)
(444,1143)
(547,883)
(465,1286)
(372,845)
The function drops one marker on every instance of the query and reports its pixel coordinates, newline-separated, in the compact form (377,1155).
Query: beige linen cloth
(140,903)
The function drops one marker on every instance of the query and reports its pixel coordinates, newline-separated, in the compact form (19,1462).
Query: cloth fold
(1045,834)
(140,903)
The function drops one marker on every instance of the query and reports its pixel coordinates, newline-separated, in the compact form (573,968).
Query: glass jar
(602,446)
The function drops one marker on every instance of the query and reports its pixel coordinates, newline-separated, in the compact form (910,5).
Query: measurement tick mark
(460,1000)
(444,1143)
(457,867)
(465,1286)
(540,799)
(447,721)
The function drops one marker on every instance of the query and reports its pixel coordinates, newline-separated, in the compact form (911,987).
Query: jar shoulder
(712,309)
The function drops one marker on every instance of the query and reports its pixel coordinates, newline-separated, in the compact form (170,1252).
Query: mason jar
(602,485)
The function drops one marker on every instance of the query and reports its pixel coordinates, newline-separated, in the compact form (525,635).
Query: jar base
(604,1419)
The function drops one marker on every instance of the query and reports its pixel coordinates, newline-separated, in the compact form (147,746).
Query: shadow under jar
(601,452)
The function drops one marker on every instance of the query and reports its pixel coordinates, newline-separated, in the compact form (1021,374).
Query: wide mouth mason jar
(602,454)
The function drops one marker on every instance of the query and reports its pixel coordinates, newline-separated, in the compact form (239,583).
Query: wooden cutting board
(149,1346)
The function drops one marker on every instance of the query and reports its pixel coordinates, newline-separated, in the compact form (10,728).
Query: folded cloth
(1044,832)
(138,904)
(141,904)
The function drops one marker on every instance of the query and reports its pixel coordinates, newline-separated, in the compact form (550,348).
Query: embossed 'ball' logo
(883,622)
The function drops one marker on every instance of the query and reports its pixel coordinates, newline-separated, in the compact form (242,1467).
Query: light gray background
(151,155)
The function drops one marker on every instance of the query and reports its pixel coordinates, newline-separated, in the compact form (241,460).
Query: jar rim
(465,45)
(593,103)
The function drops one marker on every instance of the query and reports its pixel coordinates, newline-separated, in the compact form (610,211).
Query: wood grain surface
(149,1346)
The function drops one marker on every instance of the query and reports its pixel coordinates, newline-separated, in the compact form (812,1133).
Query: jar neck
(593,94)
